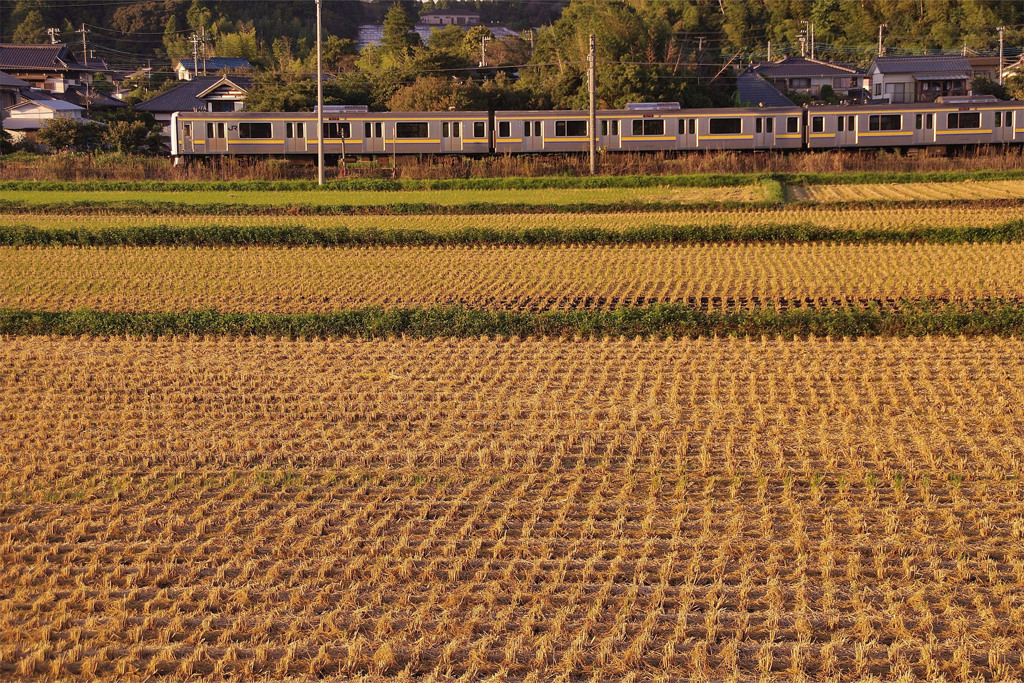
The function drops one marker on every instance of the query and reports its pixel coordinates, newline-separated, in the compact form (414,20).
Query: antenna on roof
(54,33)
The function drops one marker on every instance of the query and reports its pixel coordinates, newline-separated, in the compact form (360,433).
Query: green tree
(399,36)
(71,135)
(32,29)
(434,93)
(127,137)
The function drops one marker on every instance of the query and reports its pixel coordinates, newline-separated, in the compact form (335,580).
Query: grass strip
(521,183)
(913,318)
(89,206)
(289,235)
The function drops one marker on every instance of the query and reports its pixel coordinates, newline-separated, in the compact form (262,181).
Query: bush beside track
(911,319)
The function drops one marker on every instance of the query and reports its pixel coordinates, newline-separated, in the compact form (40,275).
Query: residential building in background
(900,80)
(49,67)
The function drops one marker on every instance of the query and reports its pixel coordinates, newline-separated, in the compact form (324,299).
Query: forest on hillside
(685,50)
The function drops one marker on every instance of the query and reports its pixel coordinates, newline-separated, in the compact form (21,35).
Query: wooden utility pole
(194,39)
(592,125)
(85,52)
(319,100)
(881,50)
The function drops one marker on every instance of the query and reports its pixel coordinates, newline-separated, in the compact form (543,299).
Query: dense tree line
(685,50)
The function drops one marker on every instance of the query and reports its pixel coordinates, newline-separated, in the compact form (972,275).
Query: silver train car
(354,131)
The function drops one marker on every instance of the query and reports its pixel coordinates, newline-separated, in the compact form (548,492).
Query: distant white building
(32,115)
(450,17)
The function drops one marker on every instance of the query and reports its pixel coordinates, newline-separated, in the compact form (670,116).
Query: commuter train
(354,131)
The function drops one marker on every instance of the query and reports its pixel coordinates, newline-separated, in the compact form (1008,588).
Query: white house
(900,80)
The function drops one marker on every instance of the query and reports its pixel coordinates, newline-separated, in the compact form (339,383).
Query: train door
(687,138)
(187,144)
(533,136)
(295,136)
(451,136)
(1002,126)
(924,128)
(846,130)
(215,138)
(764,132)
(610,138)
(373,136)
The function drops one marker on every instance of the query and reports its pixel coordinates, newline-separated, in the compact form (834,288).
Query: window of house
(799,83)
(222,106)
(817,124)
(793,124)
(337,130)
(648,126)
(885,122)
(479,130)
(878,89)
(570,129)
(504,129)
(730,126)
(964,119)
(412,129)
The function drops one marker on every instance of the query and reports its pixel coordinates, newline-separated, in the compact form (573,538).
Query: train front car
(949,121)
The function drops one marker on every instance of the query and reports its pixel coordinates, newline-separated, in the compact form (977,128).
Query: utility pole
(194,39)
(592,125)
(881,50)
(805,36)
(483,50)
(54,33)
(319,100)
(769,51)
(85,52)
(202,30)
(1001,29)
(812,40)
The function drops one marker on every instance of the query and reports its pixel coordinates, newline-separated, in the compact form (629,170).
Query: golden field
(303,279)
(529,509)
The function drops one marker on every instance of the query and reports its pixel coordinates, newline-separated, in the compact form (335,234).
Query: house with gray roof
(10,87)
(754,91)
(51,68)
(925,78)
(809,76)
(202,93)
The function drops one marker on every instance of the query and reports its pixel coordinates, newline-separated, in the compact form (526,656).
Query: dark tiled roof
(754,90)
(95,100)
(218,63)
(14,57)
(184,97)
(8,81)
(801,67)
(932,64)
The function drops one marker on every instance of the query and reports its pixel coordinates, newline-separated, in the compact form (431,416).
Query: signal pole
(1001,29)
(592,126)
(319,100)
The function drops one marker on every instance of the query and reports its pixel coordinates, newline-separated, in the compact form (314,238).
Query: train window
(288,130)
(793,124)
(970,119)
(570,129)
(478,129)
(817,124)
(725,126)
(604,128)
(378,130)
(1008,119)
(444,129)
(929,121)
(648,127)
(693,126)
(840,122)
(885,122)
(209,130)
(615,127)
(526,129)
(335,130)
(186,130)
(999,119)
(758,125)
(682,126)
(412,129)
(367,129)
(456,133)
(851,123)
(918,121)
(769,125)
(258,131)
(504,129)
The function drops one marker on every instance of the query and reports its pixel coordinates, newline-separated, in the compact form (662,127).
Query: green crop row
(286,235)
(518,183)
(133,206)
(991,317)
